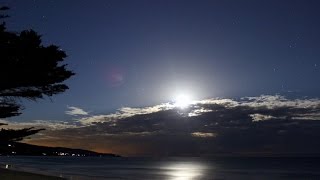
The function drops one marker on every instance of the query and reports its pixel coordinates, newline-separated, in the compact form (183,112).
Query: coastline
(9,174)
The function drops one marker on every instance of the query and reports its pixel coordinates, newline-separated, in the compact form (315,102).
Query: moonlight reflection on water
(185,171)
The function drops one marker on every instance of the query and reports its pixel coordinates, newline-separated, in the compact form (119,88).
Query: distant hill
(22,149)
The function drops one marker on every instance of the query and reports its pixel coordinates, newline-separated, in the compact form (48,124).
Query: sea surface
(98,168)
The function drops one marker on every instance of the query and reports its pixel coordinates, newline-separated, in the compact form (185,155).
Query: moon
(182,100)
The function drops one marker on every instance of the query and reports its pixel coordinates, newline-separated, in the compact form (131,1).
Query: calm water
(95,168)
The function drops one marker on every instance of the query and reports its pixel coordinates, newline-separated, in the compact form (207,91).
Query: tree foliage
(28,70)
(16,135)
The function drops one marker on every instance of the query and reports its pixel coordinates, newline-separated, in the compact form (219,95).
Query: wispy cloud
(46,124)
(260,117)
(253,109)
(203,134)
(122,113)
(76,111)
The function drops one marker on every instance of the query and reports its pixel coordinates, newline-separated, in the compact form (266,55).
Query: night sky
(251,68)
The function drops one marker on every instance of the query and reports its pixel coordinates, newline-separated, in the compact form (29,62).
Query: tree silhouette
(28,70)
(16,135)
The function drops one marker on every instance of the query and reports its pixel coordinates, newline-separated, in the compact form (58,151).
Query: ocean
(180,168)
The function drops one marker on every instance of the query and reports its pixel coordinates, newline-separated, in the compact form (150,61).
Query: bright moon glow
(182,101)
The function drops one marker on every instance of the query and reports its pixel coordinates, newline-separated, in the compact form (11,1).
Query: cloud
(75,111)
(278,101)
(122,113)
(260,117)
(46,124)
(203,134)
(263,124)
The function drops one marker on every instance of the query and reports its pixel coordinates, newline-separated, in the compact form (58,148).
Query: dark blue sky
(153,49)
(138,53)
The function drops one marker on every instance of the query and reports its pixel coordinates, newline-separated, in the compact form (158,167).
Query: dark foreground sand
(6,174)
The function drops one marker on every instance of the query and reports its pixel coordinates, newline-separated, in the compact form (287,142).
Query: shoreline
(10,174)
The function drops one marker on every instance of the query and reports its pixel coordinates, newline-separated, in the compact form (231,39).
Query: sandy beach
(6,174)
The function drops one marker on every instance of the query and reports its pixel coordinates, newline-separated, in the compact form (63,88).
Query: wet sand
(6,174)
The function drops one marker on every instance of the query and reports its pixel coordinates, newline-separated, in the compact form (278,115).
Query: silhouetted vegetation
(17,135)
(28,70)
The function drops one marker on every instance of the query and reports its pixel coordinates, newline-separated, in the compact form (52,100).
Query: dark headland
(23,149)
